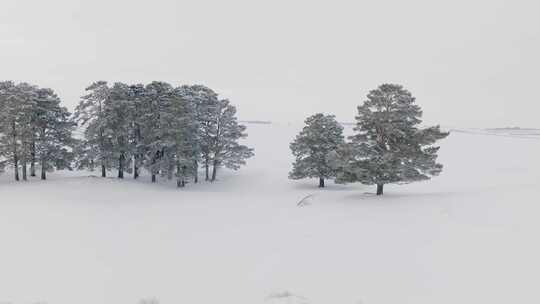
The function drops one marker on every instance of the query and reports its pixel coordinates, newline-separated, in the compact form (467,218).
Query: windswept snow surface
(468,236)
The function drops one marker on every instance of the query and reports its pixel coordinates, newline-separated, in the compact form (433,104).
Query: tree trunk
(101,147)
(24,173)
(135,169)
(15,156)
(16,168)
(180,182)
(121,166)
(214,170)
(207,168)
(380,189)
(321,182)
(154,161)
(196,173)
(43,169)
(33,159)
(136,158)
(170,173)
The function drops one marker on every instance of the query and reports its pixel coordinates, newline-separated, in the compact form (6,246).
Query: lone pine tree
(389,146)
(318,139)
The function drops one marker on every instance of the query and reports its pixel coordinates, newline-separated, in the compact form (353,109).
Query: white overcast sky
(469,62)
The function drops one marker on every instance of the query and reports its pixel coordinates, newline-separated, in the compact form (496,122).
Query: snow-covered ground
(468,236)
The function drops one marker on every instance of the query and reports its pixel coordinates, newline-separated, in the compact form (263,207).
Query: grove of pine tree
(166,130)
(35,130)
(169,131)
(173,131)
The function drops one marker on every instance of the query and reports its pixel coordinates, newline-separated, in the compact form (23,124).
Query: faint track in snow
(304,201)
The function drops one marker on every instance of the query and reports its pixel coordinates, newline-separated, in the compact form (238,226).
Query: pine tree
(85,155)
(321,136)
(6,91)
(225,149)
(137,94)
(90,114)
(206,108)
(155,129)
(117,123)
(13,101)
(54,142)
(185,134)
(25,123)
(389,146)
